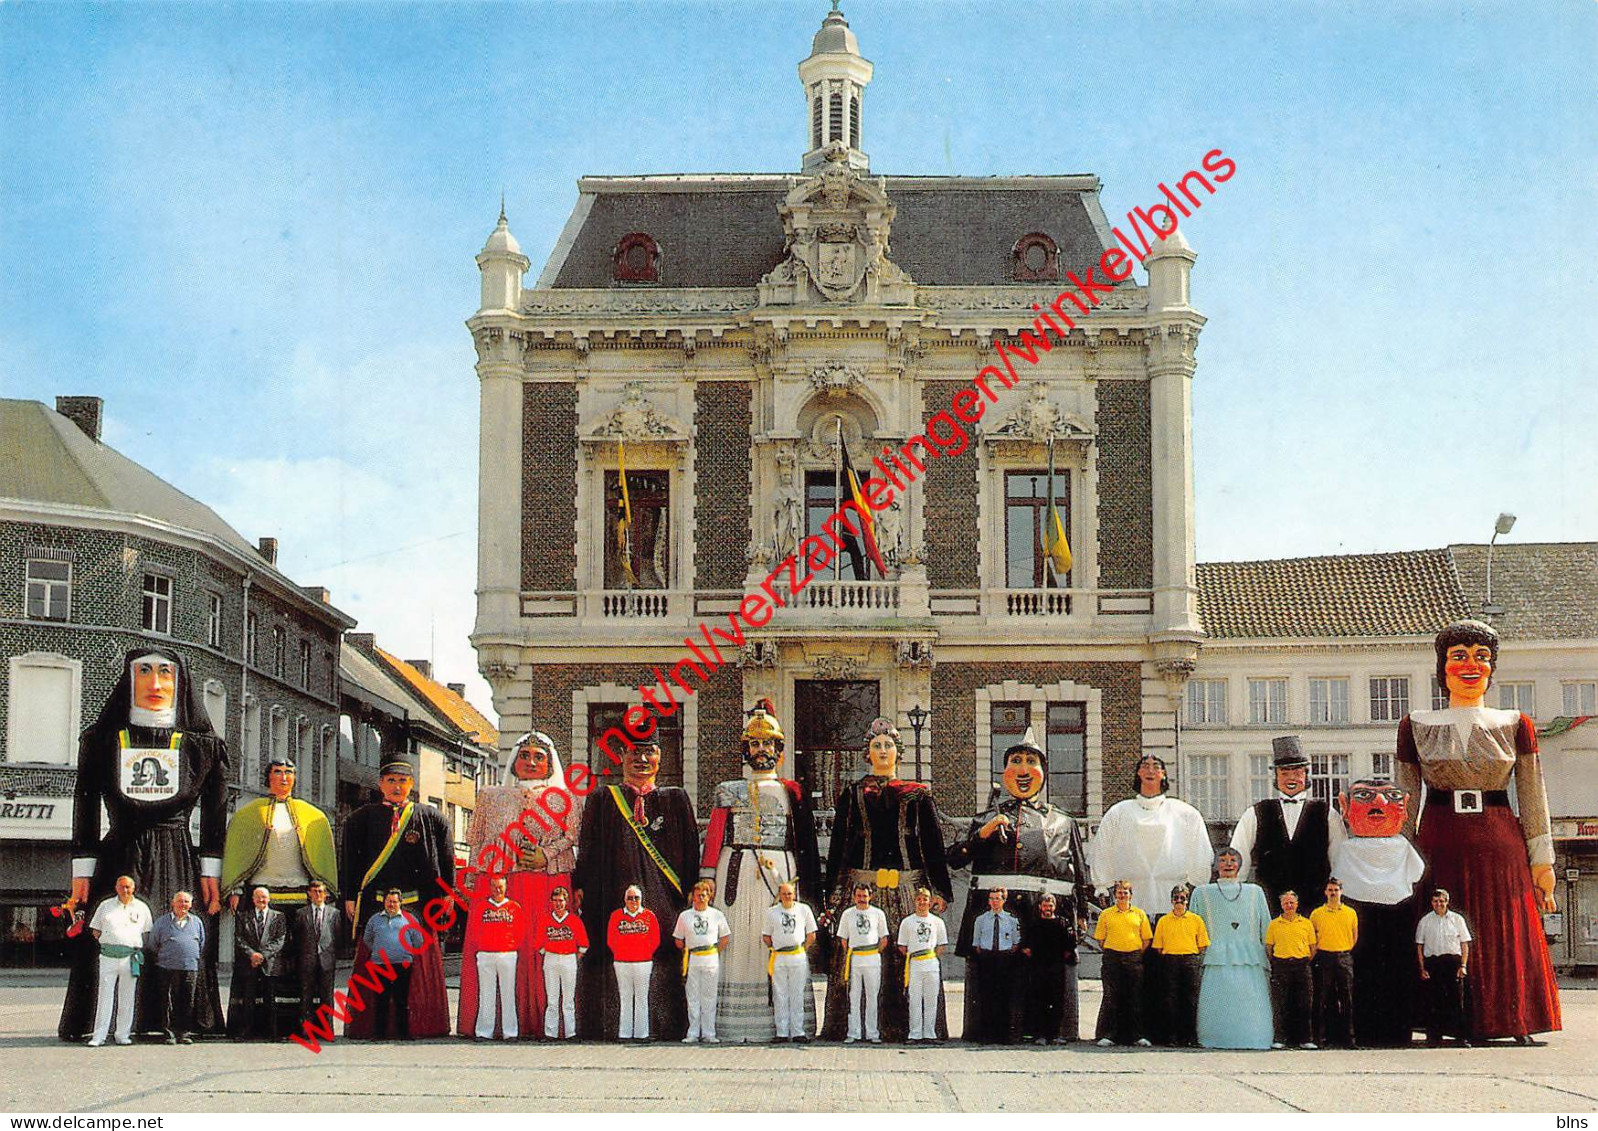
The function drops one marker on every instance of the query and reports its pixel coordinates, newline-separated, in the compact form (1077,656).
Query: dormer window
(637,259)
(1036,258)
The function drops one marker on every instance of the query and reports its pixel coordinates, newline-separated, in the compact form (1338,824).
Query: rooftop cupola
(834,79)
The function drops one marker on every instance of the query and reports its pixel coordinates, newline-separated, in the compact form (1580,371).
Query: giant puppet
(762,833)
(149,759)
(280,843)
(1288,841)
(1497,865)
(545,856)
(885,833)
(404,844)
(644,834)
(1378,868)
(1031,849)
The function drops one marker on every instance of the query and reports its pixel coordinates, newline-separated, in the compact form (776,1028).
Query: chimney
(423,666)
(362,641)
(457,688)
(317,593)
(84,412)
(268,550)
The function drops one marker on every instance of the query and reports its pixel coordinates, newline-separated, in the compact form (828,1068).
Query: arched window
(854,122)
(815,123)
(637,259)
(835,120)
(1035,257)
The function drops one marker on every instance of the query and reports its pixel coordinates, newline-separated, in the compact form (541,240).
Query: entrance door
(831,717)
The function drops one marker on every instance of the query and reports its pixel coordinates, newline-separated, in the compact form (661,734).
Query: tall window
(1328,700)
(157,606)
(1064,727)
(1206,701)
(279,651)
(835,117)
(43,705)
(305,664)
(1267,701)
(1520,697)
(280,735)
(1581,699)
(668,732)
(854,122)
(646,545)
(213,619)
(250,764)
(1261,780)
(1382,764)
(1389,698)
(49,586)
(1206,786)
(1328,776)
(252,630)
(815,123)
(216,705)
(1439,695)
(1026,512)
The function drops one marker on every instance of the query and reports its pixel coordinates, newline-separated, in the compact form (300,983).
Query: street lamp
(918,719)
(1505,523)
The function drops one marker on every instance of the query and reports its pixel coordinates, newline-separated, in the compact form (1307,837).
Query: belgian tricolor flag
(867,523)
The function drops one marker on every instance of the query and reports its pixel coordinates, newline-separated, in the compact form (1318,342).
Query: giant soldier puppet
(762,833)
(1030,848)
(644,834)
(1378,869)
(280,843)
(403,844)
(1287,842)
(886,834)
(149,758)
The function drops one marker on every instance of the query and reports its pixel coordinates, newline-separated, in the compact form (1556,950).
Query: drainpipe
(244,676)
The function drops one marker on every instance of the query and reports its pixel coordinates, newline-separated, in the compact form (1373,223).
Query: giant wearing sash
(398,843)
(634,833)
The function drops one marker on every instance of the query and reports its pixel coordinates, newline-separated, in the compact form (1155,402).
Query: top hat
(1287,754)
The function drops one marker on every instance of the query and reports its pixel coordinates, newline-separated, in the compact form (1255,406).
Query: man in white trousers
(789,934)
(863,931)
(562,940)
(922,938)
(633,937)
(501,925)
(702,934)
(120,924)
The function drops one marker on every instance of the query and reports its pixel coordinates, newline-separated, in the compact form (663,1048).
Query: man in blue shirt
(178,940)
(995,943)
(383,936)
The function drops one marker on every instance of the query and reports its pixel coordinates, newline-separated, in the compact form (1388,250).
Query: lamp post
(918,719)
(1505,523)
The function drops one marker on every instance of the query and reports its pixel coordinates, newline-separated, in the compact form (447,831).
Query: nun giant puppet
(149,759)
(1031,849)
(545,855)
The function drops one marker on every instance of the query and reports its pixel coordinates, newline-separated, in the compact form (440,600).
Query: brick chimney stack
(362,641)
(85,412)
(268,550)
(423,666)
(317,593)
(457,688)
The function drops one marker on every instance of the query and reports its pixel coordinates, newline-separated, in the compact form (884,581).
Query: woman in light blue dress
(1234,1009)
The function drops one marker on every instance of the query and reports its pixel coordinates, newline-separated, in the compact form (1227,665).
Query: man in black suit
(317,926)
(1288,841)
(260,936)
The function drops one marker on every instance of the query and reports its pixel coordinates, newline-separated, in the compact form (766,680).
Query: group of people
(617,922)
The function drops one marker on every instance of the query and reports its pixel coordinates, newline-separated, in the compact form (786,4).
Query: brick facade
(951,505)
(1126,493)
(722,424)
(549,480)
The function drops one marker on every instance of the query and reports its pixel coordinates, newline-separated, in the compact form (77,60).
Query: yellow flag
(1055,543)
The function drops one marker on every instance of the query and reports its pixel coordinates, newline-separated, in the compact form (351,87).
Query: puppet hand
(535,858)
(211,892)
(80,891)
(1542,878)
(939,904)
(993,826)
(233,902)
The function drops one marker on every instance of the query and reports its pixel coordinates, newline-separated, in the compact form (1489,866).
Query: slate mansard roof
(724,231)
(1549,591)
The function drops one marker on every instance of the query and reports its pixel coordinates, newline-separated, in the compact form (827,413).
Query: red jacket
(500,928)
(633,939)
(565,937)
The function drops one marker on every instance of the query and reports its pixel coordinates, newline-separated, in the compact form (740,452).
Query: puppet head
(1150,778)
(155,690)
(1375,808)
(641,765)
(882,747)
(1290,765)
(1026,768)
(533,758)
(394,780)
(1467,654)
(763,739)
(280,778)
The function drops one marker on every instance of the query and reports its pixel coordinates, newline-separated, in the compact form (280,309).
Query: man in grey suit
(260,936)
(317,928)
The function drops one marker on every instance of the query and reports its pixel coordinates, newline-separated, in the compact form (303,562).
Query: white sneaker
(690,1040)
(1143,1043)
(712,1040)
(851,1040)
(96,1042)
(1277,1045)
(1310,1045)
(1104,1042)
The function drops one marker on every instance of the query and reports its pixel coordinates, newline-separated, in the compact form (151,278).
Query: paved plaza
(39,1074)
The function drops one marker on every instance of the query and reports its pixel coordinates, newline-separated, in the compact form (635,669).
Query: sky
(252,229)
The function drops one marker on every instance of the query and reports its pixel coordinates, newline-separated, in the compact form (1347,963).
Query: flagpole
(837,498)
(1048,511)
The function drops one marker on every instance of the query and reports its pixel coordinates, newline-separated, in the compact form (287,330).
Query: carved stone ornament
(835,667)
(760,655)
(498,671)
(913,654)
(837,225)
(1039,420)
(636,418)
(835,378)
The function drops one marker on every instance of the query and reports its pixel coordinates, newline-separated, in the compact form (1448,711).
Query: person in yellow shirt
(1336,931)
(1124,932)
(1181,938)
(1290,941)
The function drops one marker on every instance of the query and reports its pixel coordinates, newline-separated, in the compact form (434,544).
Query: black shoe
(800,1040)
